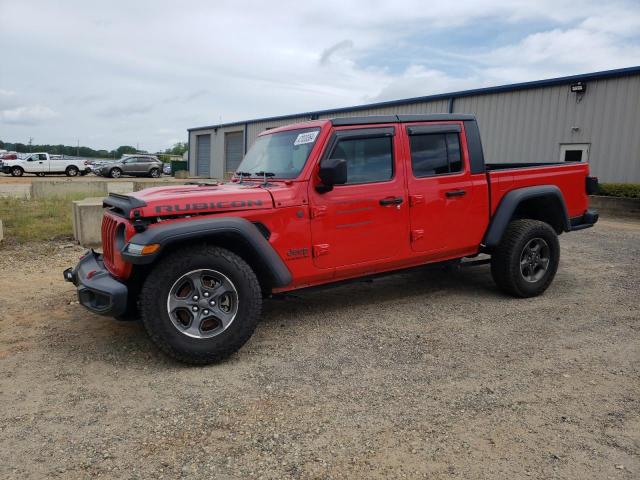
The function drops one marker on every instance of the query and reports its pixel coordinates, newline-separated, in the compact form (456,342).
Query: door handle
(456,193)
(391,201)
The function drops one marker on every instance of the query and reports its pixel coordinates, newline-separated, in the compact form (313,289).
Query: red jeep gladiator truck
(320,202)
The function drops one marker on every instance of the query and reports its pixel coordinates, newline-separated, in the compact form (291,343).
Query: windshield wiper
(265,175)
(242,175)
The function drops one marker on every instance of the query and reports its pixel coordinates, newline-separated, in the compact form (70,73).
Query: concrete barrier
(141,185)
(87,221)
(20,190)
(1,232)
(615,206)
(67,187)
(120,187)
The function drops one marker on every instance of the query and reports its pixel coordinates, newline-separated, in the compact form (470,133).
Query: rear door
(441,189)
(133,165)
(364,221)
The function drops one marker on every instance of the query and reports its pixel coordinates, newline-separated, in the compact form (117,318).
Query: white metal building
(594,117)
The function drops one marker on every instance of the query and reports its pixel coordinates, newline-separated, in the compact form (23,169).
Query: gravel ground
(416,375)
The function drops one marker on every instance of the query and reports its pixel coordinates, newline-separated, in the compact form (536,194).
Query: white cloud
(28,115)
(127,70)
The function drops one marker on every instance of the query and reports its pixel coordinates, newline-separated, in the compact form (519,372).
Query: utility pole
(30,143)
(78,149)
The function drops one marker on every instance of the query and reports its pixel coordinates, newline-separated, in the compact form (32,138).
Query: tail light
(592,185)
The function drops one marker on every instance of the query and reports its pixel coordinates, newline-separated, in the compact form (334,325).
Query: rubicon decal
(207,206)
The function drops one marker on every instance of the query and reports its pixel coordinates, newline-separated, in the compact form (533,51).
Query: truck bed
(570,178)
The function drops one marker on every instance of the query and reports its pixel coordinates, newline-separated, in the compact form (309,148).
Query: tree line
(70,150)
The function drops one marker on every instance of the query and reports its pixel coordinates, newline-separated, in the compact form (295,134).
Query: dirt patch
(421,375)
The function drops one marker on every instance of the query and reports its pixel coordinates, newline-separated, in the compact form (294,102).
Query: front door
(365,220)
(37,163)
(441,190)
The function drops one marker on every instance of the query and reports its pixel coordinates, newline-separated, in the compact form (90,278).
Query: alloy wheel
(202,303)
(535,260)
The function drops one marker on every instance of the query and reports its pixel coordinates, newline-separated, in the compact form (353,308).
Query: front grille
(109,227)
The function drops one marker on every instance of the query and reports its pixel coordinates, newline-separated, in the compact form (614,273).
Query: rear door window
(435,154)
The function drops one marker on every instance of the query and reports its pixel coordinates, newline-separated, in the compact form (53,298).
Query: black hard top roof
(432,117)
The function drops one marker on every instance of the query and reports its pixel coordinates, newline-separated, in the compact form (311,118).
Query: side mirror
(333,171)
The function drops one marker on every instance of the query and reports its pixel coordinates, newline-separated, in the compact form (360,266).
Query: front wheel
(17,172)
(115,173)
(200,305)
(526,261)
(154,173)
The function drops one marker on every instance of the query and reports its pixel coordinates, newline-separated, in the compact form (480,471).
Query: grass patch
(27,220)
(624,190)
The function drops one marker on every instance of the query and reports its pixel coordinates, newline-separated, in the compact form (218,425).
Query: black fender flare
(509,203)
(208,228)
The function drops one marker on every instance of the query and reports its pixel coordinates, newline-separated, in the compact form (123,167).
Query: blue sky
(123,72)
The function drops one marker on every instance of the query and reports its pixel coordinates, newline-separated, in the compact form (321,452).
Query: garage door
(233,150)
(203,149)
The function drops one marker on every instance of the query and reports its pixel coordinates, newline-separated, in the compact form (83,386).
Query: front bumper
(97,289)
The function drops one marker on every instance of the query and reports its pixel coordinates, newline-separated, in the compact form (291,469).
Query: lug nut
(206,294)
(206,312)
(195,298)
(195,309)
(212,303)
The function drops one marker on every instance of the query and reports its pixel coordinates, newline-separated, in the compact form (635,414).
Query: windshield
(283,154)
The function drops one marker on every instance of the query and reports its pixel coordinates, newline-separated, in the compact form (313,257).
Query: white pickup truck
(42,164)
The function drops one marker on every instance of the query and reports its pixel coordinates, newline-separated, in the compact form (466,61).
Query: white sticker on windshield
(303,138)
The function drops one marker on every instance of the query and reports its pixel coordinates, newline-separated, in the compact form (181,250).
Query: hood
(198,199)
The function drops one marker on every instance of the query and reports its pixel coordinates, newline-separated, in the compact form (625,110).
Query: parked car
(321,202)
(97,165)
(41,164)
(9,156)
(134,165)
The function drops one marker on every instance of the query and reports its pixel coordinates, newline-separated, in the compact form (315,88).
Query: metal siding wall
(522,126)
(530,125)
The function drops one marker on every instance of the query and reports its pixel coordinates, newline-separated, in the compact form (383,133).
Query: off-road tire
(117,171)
(72,171)
(505,261)
(154,173)
(17,172)
(155,317)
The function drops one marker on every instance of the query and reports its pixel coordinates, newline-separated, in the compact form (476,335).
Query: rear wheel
(154,172)
(17,172)
(526,261)
(72,171)
(201,304)
(115,173)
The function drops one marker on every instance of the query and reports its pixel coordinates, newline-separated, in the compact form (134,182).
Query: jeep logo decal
(207,206)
